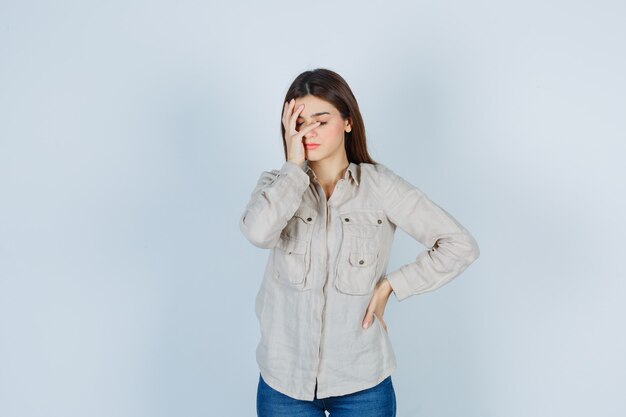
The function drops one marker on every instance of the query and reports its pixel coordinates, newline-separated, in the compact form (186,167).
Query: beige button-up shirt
(326,256)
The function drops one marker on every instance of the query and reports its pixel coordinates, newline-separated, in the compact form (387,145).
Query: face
(329,134)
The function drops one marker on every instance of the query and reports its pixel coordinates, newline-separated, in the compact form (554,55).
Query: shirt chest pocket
(357,265)
(292,254)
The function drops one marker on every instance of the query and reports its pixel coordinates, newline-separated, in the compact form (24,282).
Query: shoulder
(391,186)
(379,173)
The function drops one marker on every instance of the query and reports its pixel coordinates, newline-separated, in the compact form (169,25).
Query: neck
(328,172)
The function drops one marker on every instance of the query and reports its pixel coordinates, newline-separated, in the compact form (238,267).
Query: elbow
(261,242)
(454,253)
(256,235)
(463,248)
(473,250)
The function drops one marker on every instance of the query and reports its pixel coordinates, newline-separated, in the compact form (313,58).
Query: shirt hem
(356,388)
(276,386)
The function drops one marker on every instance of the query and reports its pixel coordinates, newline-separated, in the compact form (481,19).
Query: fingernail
(366,325)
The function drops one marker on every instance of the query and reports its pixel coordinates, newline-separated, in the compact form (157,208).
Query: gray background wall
(132,132)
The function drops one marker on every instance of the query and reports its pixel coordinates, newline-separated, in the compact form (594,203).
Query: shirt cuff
(291,164)
(399,285)
(298,169)
(296,173)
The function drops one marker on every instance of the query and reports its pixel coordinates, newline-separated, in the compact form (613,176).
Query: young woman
(328,217)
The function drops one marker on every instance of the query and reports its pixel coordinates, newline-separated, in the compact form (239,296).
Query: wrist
(300,164)
(387,285)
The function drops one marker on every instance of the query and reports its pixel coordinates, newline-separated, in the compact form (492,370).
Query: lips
(311,145)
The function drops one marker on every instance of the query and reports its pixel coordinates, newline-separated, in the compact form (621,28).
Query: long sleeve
(274,200)
(450,247)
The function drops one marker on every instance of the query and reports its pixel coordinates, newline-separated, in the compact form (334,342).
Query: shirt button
(347,219)
(361,262)
(379,221)
(308,219)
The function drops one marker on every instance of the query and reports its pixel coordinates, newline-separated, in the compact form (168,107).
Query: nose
(310,134)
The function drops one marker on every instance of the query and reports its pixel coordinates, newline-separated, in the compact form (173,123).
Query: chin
(314,157)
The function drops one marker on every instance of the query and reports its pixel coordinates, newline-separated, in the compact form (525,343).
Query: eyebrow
(316,114)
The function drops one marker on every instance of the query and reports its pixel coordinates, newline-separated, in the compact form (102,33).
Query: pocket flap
(306,213)
(368,218)
(362,259)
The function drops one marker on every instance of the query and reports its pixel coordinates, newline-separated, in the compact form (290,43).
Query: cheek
(335,130)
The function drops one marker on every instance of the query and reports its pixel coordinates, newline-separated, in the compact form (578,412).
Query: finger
(379,317)
(384,324)
(286,111)
(369,318)
(294,116)
(307,129)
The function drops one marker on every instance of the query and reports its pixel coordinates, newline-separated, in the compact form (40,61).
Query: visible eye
(321,124)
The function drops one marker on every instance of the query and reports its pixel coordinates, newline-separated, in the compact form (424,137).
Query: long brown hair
(331,87)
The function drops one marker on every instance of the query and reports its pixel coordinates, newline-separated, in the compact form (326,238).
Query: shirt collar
(352,171)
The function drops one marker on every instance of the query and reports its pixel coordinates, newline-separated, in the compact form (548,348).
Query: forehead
(313,105)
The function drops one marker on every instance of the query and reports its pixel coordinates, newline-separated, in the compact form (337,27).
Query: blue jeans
(377,401)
